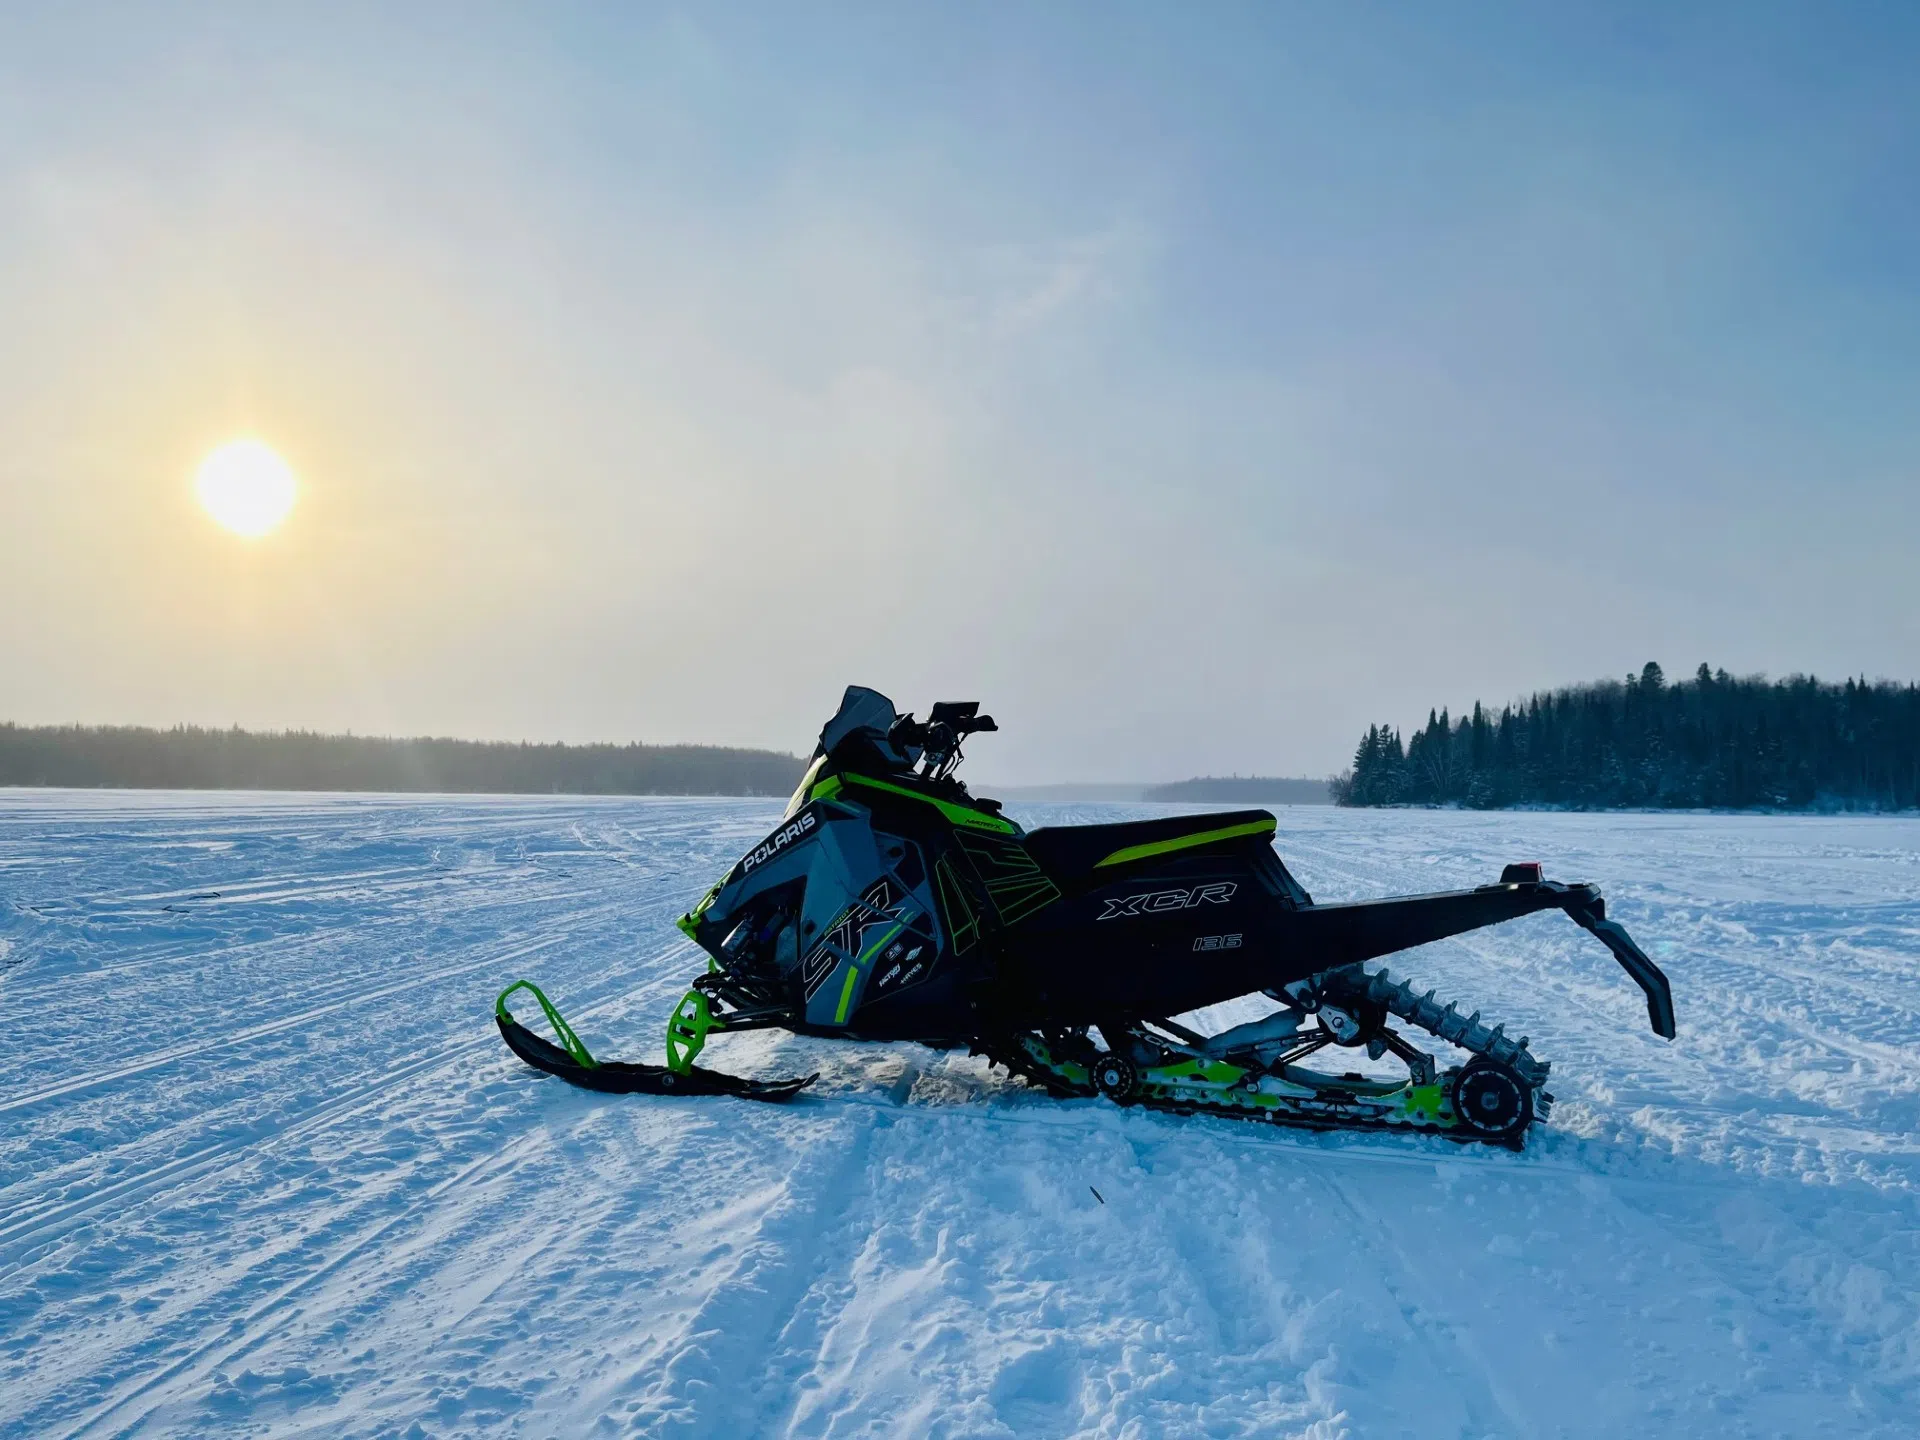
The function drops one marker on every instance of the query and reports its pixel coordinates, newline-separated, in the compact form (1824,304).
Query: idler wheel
(1115,1077)
(1491,1100)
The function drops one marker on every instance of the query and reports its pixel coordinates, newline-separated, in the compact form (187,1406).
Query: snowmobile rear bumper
(1347,934)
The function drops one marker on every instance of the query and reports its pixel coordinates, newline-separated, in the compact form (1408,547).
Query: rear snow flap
(1592,915)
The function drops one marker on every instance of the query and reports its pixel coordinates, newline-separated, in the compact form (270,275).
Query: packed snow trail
(266,1168)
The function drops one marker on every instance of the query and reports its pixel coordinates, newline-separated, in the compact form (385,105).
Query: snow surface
(265,1166)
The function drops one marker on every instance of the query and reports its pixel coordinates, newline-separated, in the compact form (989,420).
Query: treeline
(1243,790)
(189,758)
(1715,741)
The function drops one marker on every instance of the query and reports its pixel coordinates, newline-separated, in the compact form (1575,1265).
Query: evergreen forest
(1714,741)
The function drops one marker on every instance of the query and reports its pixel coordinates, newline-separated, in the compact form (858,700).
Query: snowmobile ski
(571,1061)
(890,903)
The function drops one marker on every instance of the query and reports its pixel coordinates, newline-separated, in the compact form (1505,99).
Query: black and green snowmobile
(891,904)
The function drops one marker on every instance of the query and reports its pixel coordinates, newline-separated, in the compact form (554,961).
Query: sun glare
(245,487)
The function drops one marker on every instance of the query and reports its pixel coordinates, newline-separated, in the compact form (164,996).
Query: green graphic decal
(963,924)
(1188,842)
(1016,885)
(956,814)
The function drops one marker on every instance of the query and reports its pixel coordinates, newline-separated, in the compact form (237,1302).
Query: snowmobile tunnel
(1368,929)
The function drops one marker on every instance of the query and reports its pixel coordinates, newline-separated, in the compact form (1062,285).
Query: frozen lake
(265,1166)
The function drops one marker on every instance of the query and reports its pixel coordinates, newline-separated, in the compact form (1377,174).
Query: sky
(1192,386)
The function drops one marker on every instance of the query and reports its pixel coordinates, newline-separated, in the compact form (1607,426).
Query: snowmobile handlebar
(956,724)
(938,737)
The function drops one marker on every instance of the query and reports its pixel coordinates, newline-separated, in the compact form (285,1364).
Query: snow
(265,1167)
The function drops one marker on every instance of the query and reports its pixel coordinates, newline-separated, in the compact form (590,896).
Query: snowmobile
(891,904)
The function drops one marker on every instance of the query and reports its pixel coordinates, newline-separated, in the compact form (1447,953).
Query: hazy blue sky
(1193,385)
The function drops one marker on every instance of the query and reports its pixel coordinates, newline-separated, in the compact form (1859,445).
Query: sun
(245,487)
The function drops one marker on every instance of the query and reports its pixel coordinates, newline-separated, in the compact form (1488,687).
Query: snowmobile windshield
(858,734)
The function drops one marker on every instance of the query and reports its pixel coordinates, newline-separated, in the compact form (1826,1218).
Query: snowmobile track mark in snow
(354,995)
(165,1183)
(253,1331)
(170,1181)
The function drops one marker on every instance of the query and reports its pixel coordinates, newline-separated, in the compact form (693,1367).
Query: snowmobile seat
(1073,851)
